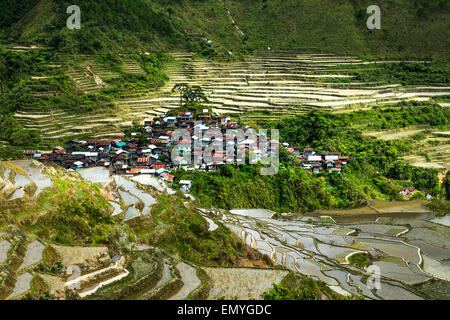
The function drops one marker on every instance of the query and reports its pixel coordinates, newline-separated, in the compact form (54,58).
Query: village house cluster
(130,157)
(319,161)
(207,142)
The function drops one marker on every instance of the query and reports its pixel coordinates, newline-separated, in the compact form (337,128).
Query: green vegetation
(441,207)
(127,84)
(78,215)
(189,94)
(406,73)
(374,170)
(35,81)
(19,93)
(410,29)
(14,133)
(299,287)
(359,259)
(181,230)
(70,212)
(281,293)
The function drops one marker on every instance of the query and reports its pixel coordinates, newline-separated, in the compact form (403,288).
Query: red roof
(184,141)
(168,176)
(308,149)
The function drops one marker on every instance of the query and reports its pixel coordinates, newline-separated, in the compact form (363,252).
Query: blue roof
(121,144)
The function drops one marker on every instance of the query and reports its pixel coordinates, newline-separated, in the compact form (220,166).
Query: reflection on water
(95,174)
(35,174)
(445,220)
(131,188)
(293,242)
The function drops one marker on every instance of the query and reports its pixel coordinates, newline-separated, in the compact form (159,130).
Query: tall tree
(189,94)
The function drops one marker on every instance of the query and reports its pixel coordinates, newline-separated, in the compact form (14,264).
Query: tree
(189,94)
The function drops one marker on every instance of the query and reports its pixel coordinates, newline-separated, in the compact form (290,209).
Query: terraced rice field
(79,255)
(410,250)
(241,283)
(430,151)
(23,284)
(190,281)
(408,247)
(282,83)
(432,156)
(4,248)
(266,85)
(33,255)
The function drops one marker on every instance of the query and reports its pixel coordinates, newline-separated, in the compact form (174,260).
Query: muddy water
(190,281)
(23,284)
(96,175)
(33,255)
(117,208)
(20,181)
(132,190)
(131,213)
(4,248)
(319,249)
(445,220)
(35,174)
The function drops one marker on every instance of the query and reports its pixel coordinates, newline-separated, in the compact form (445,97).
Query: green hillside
(410,29)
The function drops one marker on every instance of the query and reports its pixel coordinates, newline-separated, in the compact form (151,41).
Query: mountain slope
(410,29)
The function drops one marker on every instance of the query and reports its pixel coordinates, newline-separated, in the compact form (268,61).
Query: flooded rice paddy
(408,249)
(190,281)
(4,248)
(33,255)
(23,284)
(95,174)
(127,189)
(35,174)
(241,283)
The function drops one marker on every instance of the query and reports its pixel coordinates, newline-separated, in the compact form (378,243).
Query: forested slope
(410,29)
